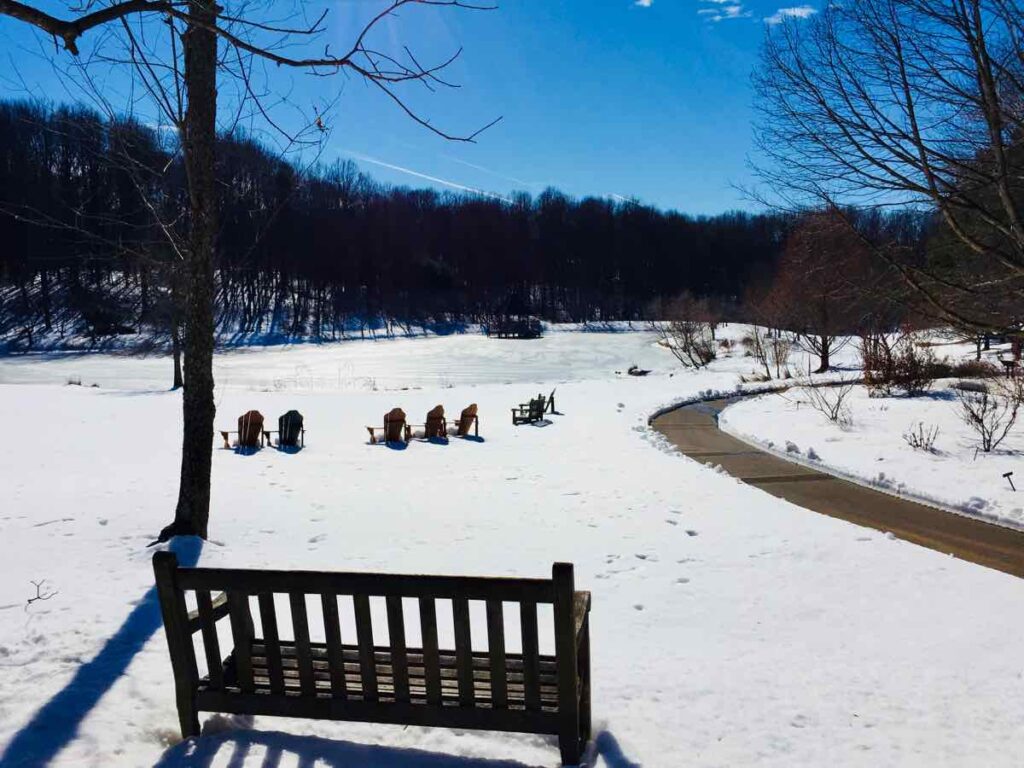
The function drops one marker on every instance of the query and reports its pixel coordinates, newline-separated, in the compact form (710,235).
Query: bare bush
(688,331)
(771,349)
(921,438)
(895,363)
(992,413)
(689,341)
(830,401)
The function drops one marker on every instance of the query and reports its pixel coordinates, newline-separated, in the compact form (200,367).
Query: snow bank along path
(729,627)
(695,430)
(954,476)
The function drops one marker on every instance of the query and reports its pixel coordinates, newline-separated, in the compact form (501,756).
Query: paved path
(694,430)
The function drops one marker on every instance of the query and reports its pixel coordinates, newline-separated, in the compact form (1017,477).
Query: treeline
(90,211)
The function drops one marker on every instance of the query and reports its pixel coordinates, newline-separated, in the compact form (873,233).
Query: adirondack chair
(395,429)
(290,431)
(250,431)
(527,413)
(436,425)
(467,419)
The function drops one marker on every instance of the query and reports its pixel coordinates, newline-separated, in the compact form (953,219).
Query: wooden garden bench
(527,413)
(444,683)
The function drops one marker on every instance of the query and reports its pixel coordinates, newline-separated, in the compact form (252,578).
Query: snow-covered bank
(955,475)
(729,628)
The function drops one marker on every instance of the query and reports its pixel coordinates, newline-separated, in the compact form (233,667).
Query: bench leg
(569,746)
(188,717)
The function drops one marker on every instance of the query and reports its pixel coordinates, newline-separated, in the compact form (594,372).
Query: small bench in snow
(446,682)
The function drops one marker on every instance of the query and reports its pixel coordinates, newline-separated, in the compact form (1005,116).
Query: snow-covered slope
(729,628)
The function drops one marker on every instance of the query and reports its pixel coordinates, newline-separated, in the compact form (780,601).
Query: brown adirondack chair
(395,428)
(436,424)
(250,431)
(468,419)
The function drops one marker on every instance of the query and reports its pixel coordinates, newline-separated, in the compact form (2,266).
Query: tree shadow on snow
(279,748)
(56,723)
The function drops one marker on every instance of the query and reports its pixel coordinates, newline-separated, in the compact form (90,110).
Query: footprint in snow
(638,607)
(318,538)
(691,532)
(682,580)
(672,522)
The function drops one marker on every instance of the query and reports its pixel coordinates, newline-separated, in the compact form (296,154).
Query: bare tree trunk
(826,350)
(193,511)
(179,381)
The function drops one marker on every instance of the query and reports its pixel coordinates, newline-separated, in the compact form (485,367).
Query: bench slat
(364,636)
(241,632)
(396,635)
(208,626)
(531,645)
(431,657)
(332,633)
(300,628)
(268,620)
(463,651)
(496,649)
(321,582)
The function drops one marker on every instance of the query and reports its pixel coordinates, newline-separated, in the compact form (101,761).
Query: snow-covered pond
(729,628)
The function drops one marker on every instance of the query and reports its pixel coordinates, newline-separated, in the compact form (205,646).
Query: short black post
(565,654)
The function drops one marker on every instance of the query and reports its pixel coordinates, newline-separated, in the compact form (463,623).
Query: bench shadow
(56,723)
(472,439)
(308,751)
(289,449)
(246,450)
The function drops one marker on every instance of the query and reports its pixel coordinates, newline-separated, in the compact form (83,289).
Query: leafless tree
(993,412)
(687,331)
(178,52)
(883,103)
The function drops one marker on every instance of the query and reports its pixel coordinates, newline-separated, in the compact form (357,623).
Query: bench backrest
(538,406)
(250,428)
(532,687)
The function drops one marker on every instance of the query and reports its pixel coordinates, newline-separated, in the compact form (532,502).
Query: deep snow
(729,628)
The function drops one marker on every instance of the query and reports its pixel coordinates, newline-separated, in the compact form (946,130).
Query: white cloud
(797,12)
(643,3)
(723,10)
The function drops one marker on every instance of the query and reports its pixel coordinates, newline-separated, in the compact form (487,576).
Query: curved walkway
(693,429)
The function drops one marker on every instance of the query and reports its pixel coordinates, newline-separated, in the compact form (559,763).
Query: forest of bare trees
(321,253)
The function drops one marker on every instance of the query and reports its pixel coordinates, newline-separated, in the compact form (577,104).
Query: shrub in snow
(896,363)
(921,437)
(830,401)
(813,455)
(992,414)
(792,447)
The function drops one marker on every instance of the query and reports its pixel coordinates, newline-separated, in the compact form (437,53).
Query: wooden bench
(443,683)
(527,413)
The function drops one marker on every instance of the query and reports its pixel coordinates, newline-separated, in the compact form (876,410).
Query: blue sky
(646,99)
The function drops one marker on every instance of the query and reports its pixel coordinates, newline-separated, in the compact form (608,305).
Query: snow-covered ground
(871,449)
(729,628)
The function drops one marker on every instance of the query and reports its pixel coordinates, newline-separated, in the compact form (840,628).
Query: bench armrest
(580,612)
(220,610)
